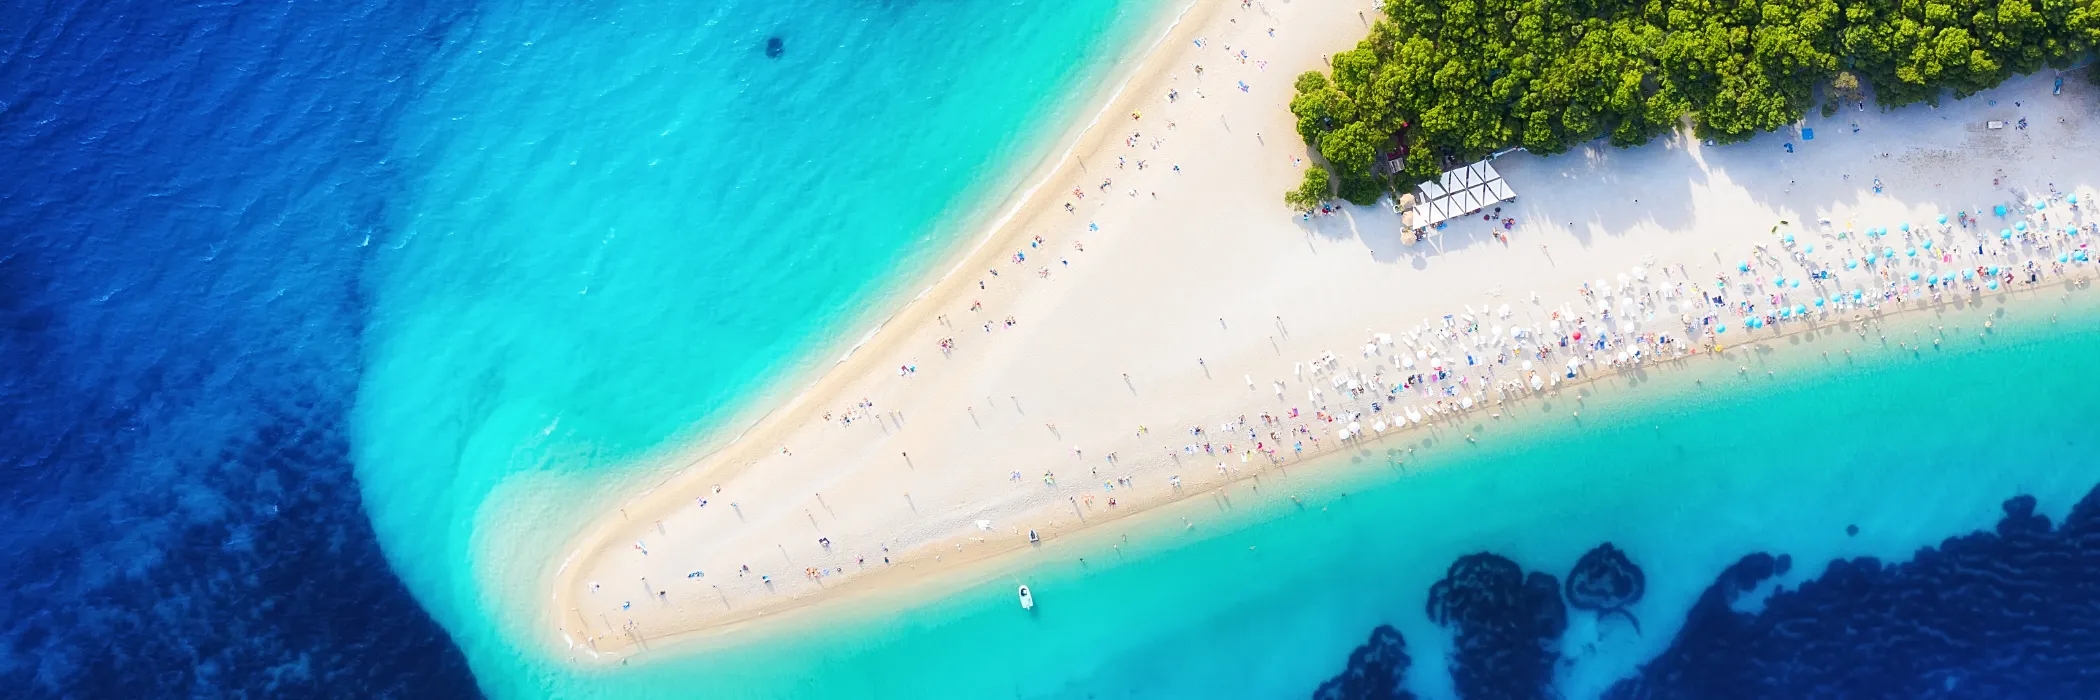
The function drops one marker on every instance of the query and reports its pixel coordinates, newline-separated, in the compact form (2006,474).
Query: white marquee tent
(1460,192)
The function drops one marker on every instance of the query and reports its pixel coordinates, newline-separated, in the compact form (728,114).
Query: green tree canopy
(1459,79)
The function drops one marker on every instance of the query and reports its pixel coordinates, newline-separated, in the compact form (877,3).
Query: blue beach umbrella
(1857,294)
(2005,234)
(1793,284)
(1910,252)
(1811,247)
(2074,199)
(2021,227)
(1927,243)
(1943,219)
(1914,276)
(1968,274)
(2040,204)
(1787,239)
(1993,271)
(1999,210)
(1888,252)
(1786,313)
(2078,256)
(1819,302)
(1799,309)
(1905,227)
(1852,264)
(1742,267)
(1993,285)
(2060,257)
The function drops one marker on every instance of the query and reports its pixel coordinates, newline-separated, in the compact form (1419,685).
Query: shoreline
(808,377)
(902,587)
(1168,262)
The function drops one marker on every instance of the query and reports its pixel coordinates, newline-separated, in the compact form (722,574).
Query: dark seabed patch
(192,195)
(2013,612)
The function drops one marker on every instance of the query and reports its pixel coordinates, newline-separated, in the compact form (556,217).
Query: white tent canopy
(1460,192)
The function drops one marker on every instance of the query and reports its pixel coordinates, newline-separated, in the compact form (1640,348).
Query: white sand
(1202,282)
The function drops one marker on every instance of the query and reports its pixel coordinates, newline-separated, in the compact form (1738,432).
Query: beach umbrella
(1819,302)
(1793,284)
(1779,281)
(1856,294)
(2021,227)
(2078,256)
(1787,239)
(1800,310)
(1993,271)
(1527,365)
(1943,219)
(1905,227)
(1999,210)
(1910,252)
(1786,313)
(1852,264)
(1742,266)
(1811,247)
(2040,203)
(1720,328)
(2060,257)
(1927,243)
(1993,285)
(1888,252)
(1914,276)
(1968,274)
(2005,234)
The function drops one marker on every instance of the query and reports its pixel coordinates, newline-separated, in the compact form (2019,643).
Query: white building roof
(1460,192)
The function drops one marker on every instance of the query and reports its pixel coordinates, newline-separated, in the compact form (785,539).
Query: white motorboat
(1027,600)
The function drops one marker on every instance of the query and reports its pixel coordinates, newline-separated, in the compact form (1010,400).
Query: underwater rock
(774,47)
(2011,612)
(1504,624)
(1376,670)
(1851,530)
(1604,579)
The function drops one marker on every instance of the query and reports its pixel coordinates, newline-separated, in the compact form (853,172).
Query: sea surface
(321,324)
(1838,516)
(287,290)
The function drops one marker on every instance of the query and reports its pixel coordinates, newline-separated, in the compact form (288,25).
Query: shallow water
(496,256)
(1686,471)
(627,220)
(466,247)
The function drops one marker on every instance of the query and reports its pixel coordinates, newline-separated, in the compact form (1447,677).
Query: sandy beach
(1152,322)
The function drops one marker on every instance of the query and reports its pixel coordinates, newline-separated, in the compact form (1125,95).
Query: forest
(1456,80)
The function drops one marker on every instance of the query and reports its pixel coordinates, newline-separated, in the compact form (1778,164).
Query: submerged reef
(1505,625)
(1376,670)
(2010,612)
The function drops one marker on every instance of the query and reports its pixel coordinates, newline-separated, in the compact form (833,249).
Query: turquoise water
(1686,470)
(617,220)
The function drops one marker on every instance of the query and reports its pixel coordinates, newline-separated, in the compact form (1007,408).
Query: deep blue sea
(181,307)
(319,320)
